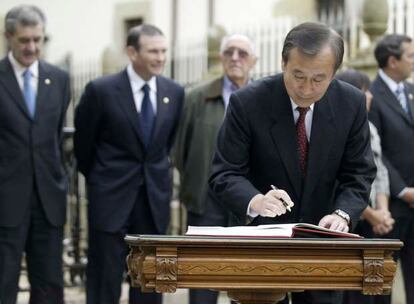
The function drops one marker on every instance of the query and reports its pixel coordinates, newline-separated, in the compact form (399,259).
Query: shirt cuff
(250,212)
(401,194)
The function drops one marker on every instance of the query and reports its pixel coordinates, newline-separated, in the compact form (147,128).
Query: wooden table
(261,270)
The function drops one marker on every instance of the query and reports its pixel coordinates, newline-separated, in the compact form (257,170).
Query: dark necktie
(147,115)
(302,139)
(29,93)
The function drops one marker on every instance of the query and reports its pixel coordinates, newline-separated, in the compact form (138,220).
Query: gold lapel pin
(47,81)
(410,96)
(165,100)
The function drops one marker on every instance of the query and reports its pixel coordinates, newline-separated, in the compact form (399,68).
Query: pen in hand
(281,199)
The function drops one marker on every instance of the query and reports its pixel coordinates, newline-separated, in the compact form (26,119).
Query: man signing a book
(303,132)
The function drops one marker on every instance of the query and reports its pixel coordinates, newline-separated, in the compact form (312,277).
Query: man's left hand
(334,222)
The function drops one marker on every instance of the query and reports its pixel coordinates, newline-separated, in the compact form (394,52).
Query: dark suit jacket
(30,150)
(257,147)
(112,157)
(396,129)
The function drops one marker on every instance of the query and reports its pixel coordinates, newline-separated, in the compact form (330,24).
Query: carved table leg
(373,272)
(256,297)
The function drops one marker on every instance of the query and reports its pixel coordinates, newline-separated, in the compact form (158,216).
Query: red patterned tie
(302,139)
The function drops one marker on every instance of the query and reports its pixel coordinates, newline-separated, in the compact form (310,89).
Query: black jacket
(30,149)
(257,148)
(111,155)
(396,129)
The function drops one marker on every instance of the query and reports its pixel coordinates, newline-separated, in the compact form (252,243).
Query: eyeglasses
(241,53)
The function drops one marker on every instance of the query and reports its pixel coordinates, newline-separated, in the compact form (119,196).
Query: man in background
(125,128)
(376,219)
(204,110)
(392,112)
(34,96)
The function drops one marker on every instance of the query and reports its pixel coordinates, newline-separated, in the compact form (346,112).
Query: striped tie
(399,92)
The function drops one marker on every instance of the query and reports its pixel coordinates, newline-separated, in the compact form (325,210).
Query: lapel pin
(47,81)
(410,96)
(165,100)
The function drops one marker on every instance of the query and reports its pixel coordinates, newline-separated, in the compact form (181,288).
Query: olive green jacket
(196,142)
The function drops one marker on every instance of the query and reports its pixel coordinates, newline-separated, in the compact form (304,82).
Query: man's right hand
(271,204)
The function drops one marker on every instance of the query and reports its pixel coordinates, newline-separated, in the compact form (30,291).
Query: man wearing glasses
(205,106)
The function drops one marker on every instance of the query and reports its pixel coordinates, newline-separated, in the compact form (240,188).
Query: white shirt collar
(19,69)
(294,105)
(137,82)
(392,85)
(308,118)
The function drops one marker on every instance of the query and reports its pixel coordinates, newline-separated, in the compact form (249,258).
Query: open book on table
(298,230)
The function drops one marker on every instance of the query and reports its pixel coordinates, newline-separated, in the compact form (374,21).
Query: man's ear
(7,35)
(283,65)
(131,52)
(254,61)
(391,62)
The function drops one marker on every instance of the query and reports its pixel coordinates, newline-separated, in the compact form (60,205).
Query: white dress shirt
(136,84)
(308,117)
(391,84)
(19,70)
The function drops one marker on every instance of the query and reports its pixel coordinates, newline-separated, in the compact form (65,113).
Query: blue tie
(147,115)
(29,93)
(399,92)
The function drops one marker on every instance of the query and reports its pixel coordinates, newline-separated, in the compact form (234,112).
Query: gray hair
(136,32)
(310,38)
(226,39)
(25,15)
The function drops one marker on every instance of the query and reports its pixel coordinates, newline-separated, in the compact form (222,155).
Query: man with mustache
(34,96)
